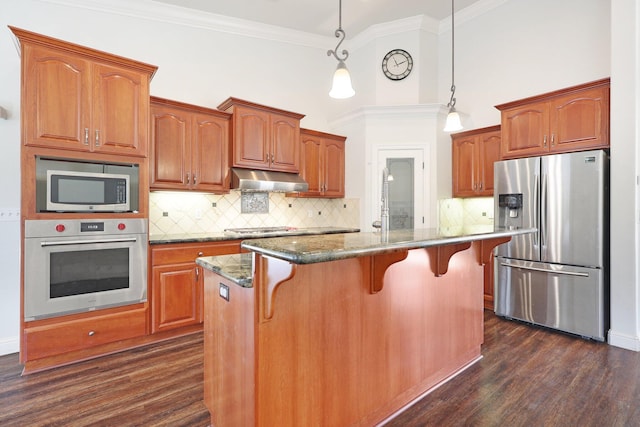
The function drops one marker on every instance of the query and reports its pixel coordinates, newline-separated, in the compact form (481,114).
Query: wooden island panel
(333,352)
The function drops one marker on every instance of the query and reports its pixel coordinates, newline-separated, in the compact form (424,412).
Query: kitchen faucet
(383,224)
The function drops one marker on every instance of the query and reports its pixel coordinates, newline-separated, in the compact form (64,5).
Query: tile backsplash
(457,215)
(182,212)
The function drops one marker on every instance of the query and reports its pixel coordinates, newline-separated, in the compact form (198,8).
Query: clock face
(397,64)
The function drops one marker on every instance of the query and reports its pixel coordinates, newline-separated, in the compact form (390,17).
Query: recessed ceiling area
(321,16)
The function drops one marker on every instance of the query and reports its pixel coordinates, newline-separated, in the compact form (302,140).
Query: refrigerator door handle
(536,205)
(543,211)
(546,270)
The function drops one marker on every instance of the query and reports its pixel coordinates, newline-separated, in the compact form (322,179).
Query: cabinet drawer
(67,336)
(176,253)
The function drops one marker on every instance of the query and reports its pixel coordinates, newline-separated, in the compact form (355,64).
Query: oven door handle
(88,242)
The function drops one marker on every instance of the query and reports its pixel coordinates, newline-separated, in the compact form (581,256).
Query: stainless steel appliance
(74,186)
(80,265)
(557,277)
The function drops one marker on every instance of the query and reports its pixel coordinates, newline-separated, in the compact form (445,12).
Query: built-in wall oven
(76,265)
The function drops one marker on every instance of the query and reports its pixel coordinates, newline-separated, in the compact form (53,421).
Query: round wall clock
(397,64)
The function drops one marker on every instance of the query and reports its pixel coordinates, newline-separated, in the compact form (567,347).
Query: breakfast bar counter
(340,329)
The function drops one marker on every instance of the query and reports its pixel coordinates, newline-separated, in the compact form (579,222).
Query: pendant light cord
(452,101)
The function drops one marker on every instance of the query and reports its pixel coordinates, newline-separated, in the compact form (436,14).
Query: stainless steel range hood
(266,181)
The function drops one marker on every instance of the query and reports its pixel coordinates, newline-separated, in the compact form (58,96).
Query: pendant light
(453,118)
(341,87)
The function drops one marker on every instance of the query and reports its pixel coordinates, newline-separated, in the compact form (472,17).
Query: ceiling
(321,16)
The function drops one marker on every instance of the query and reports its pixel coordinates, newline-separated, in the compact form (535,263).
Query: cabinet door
(525,130)
(285,144)
(489,149)
(333,167)
(310,164)
(170,148)
(176,296)
(56,99)
(120,111)
(580,121)
(464,166)
(210,158)
(250,138)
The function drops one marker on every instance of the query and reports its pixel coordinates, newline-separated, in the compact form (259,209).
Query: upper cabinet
(263,137)
(80,99)
(572,119)
(190,147)
(322,164)
(474,153)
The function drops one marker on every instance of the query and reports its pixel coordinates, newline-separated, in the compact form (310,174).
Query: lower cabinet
(51,337)
(176,282)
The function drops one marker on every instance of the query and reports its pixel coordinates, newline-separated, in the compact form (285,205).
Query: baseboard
(628,342)
(9,345)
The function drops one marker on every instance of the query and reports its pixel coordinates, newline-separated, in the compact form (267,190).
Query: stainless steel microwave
(73,191)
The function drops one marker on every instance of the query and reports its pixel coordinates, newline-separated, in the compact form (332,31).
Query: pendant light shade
(341,87)
(453,122)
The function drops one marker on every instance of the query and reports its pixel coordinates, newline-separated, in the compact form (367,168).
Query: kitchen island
(340,329)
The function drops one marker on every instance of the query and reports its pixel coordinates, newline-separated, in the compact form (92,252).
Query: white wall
(505,50)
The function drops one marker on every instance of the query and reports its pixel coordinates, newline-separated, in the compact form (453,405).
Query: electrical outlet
(198,213)
(9,214)
(310,213)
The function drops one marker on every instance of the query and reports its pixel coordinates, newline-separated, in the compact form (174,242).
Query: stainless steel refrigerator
(557,277)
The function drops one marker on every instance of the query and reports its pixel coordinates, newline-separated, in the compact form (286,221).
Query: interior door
(406,190)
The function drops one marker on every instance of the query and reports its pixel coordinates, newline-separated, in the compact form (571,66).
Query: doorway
(406,191)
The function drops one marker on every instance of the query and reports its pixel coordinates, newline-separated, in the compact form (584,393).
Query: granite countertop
(236,267)
(331,247)
(156,239)
(312,249)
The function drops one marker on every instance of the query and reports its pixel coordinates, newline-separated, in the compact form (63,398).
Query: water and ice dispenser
(510,210)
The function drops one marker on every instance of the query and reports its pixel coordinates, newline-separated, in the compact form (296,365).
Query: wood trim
(556,93)
(320,134)
(476,131)
(93,54)
(154,100)
(380,264)
(439,256)
(272,273)
(485,247)
(231,102)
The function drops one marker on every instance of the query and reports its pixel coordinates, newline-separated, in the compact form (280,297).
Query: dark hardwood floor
(528,377)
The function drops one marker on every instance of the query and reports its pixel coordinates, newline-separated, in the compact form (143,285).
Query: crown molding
(161,12)
(377,112)
(469,13)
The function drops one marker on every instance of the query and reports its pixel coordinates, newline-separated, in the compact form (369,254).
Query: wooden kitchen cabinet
(80,99)
(322,164)
(572,119)
(264,137)
(190,147)
(176,282)
(55,336)
(474,153)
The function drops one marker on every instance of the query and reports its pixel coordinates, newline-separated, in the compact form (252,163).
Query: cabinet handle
(200,253)
(545,140)
(97,138)
(194,178)
(188,178)
(86,136)
(480,186)
(92,333)
(553,139)
(197,274)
